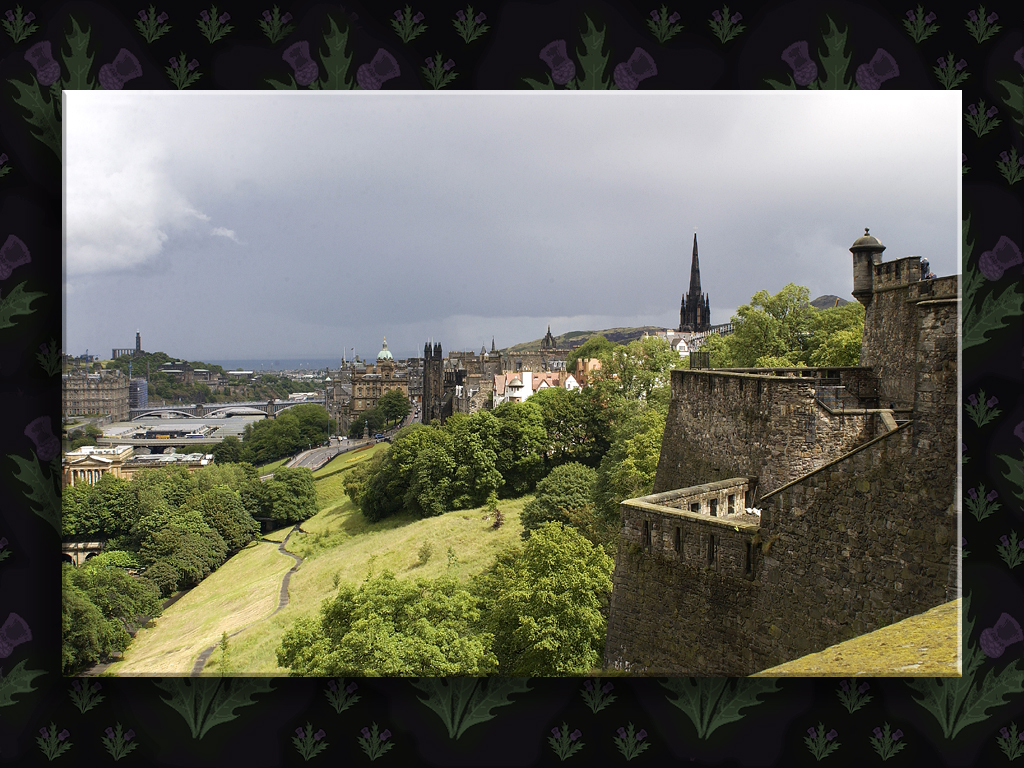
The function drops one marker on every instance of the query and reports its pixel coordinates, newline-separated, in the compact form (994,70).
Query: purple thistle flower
(673,18)
(480,18)
(878,733)
(575,735)
(991,496)
(418,18)
(3,542)
(300,733)
(174,62)
(655,16)
(366,733)
(992,401)
(942,62)
(845,686)
(14,632)
(1018,56)
(716,15)
(1020,736)
(193,64)
(286,18)
(44,733)
(972,494)
(973,400)
(204,15)
(266,15)
(449,64)
(430,62)
(398,15)
(29,17)
(143,16)
(930,18)
(332,685)
(382,67)
(862,687)
(460,15)
(1004,732)
(804,69)
(590,686)
(971,109)
(1004,541)
(972,15)
(319,735)
(41,58)
(898,735)
(110,733)
(961,64)
(1004,156)
(1020,160)
(812,733)
(622,733)
(63,735)
(130,735)
(882,67)
(386,735)
(10,15)
(76,685)
(96,687)
(992,18)
(13,254)
(556,733)
(736,18)
(607,687)
(161,18)
(123,68)
(831,735)
(297,55)
(642,735)
(563,69)
(911,15)
(640,66)
(224,18)
(350,687)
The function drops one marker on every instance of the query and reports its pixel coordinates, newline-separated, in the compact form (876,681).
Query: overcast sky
(230,225)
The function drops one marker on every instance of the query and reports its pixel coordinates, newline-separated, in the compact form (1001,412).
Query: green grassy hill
(338,546)
(576,338)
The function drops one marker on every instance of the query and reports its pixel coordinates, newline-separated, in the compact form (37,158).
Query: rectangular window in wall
(647,533)
(711,550)
(695,508)
(679,539)
(713,504)
(732,503)
(748,568)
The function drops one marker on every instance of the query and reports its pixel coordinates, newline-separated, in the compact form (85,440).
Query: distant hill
(576,338)
(828,301)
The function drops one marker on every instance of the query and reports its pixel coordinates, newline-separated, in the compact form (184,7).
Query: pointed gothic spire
(694,270)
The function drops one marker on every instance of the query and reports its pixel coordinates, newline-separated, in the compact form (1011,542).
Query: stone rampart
(749,424)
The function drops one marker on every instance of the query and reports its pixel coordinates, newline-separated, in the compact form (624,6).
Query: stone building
(794,509)
(438,393)
(104,392)
(695,308)
(376,380)
(550,357)
(90,462)
(137,352)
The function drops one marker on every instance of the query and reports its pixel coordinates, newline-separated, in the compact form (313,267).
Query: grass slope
(338,546)
(576,338)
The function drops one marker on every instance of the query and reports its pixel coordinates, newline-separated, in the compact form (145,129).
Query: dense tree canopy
(394,406)
(542,603)
(566,491)
(391,627)
(292,430)
(596,347)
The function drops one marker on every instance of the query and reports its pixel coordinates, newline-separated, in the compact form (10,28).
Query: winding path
(281,603)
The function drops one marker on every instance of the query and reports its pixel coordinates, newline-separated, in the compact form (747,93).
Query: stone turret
(867,252)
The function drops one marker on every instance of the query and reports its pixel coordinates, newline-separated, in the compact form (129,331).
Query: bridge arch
(158,411)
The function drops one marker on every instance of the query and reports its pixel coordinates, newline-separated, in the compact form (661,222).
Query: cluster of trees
(784,330)
(392,407)
(292,430)
(537,611)
(175,528)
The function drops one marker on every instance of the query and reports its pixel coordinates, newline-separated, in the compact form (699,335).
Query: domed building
(376,380)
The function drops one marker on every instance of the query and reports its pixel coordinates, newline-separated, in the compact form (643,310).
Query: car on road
(379,435)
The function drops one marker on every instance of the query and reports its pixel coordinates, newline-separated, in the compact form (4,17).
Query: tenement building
(104,393)
(376,380)
(797,508)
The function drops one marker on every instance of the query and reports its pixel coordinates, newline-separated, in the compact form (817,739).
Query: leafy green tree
(719,352)
(228,450)
(842,348)
(163,576)
(393,406)
(567,489)
(521,443)
(290,495)
(576,424)
(640,367)
(474,449)
(542,602)
(86,634)
(391,627)
(628,469)
(431,479)
(222,509)
(837,335)
(357,476)
(78,519)
(116,503)
(120,597)
(194,554)
(596,347)
(772,327)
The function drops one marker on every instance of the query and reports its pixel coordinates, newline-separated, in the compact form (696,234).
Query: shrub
(561,494)
(163,576)
(426,550)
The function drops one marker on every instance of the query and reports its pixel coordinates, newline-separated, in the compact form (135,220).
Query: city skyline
(331,222)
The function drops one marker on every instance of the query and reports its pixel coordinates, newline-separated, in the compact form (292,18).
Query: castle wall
(857,544)
(747,424)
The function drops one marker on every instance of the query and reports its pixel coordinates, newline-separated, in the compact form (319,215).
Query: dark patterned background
(970,721)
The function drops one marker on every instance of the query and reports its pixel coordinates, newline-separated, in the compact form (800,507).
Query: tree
(775,327)
(393,406)
(837,336)
(542,602)
(86,635)
(228,450)
(222,509)
(566,490)
(595,347)
(391,627)
(640,367)
(522,441)
(474,449)
(290,495)
(628,469)
(120,597)
(576,425)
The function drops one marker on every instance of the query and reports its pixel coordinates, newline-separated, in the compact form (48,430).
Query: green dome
(384,354)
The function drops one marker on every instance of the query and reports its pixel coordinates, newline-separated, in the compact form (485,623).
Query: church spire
(694,270)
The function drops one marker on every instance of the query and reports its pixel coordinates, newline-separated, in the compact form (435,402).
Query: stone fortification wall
(857,544)
(747,424)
